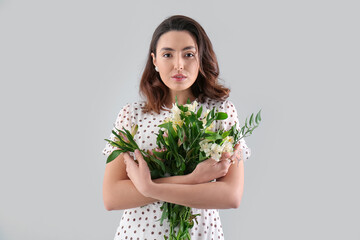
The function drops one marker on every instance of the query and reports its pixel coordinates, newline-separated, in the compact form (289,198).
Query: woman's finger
(225,156)
(126,157)
(128,160)
(139,157)
(237,153)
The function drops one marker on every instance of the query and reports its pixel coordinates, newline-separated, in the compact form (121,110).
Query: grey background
(67,67)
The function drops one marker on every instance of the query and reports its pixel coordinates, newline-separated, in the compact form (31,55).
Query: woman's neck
(181,99)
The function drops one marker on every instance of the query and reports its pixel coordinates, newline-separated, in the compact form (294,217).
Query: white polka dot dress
(143,222)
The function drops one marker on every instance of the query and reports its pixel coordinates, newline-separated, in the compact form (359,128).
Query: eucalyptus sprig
(250,125)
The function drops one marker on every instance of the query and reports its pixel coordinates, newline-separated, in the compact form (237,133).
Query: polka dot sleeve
(122,120)
(232,119)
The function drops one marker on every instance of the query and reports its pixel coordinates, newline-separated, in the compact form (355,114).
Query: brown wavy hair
(206,84)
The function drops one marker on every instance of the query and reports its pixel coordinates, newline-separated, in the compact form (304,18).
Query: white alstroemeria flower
(177,122)
(175,112)
(175,117)
(229,139)
(216,151)
(228,147)
(168,119)
(205,146)
(228,144)
(191,107)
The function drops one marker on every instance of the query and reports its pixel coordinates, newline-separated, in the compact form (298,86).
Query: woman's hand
(210,169)
(237,154)
(139,174)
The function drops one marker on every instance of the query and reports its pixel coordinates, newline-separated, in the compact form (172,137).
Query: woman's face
(177,60)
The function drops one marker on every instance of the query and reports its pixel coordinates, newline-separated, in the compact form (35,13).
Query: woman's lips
(178,77)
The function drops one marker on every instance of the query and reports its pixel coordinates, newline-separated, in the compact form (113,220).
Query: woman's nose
(179,63)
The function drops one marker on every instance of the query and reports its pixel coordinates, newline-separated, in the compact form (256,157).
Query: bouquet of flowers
(184,140)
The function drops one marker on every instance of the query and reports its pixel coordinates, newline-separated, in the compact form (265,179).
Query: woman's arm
(119,191)
(223,194)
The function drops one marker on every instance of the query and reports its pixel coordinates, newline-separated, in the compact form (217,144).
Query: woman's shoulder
(222,104)
(133,106)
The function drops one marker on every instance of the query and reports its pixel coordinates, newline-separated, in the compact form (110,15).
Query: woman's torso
(143,222)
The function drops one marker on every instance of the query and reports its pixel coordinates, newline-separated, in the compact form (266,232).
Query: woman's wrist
(149,189)
(192,179)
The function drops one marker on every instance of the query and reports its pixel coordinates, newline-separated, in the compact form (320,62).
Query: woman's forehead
(176,40)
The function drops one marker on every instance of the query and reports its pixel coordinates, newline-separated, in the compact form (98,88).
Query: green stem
(201,133)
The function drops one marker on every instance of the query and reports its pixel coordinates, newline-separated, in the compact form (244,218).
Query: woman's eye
(190,55)
(166,55)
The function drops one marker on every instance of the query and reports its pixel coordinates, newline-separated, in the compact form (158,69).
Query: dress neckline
(166,108)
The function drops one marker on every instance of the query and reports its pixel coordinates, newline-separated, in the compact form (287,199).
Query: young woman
(181,63)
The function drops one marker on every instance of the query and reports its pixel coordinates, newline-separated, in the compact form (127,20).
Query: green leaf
(183,109)
(225,134)
(210,115)
(180,133)
(251,121)
(160,155)
(188,154)
(257,119)
(159,163)
(198,114)
(192,118)
(221,116)
(113,155)
(202,156)
(182,167)
(121,139)
(131,139)
(165,212)
(172,131)
(163,125)
(168,126)
(213,136)
(155,173)
(116,134)
(242,130)
(112,143)
(259,115)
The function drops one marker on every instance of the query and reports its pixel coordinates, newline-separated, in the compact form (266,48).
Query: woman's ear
(154,58)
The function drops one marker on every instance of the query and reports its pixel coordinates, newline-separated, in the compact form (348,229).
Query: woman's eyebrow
(170,49)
